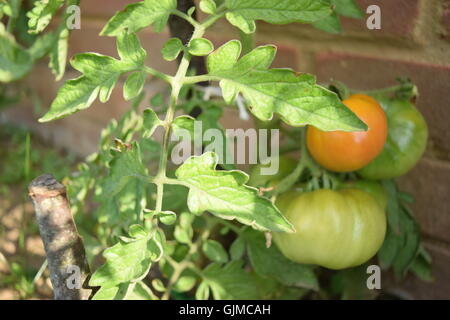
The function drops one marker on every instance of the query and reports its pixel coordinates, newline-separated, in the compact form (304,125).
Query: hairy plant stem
(176,82)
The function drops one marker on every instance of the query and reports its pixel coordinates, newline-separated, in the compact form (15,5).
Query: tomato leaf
(40,16)
(346,8)
(215,251)
(200,47)
(125,166)
(270,262)
(230,282)
(331,24)
(137,16)
(100,74)
(127,260)
(243,13)
(296,98)
(133,85)
(58,54)
(224,194)
(421,266)
(172,49)
(208,6)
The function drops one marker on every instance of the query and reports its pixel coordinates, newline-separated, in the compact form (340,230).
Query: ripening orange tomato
(342,151)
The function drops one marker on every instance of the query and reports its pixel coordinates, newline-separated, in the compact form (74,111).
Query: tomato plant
(349,151)
(203,226)
(335,229)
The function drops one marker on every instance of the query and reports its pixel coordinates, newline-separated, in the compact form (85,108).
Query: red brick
(414,288)
(398,18)
(103,8)
(429,183)
(362,72)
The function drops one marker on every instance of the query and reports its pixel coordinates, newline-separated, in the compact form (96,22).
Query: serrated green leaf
(100,74)
(296,98)
(172,49)
(41,14)
(130,49)
(126,261)
(125,166)
(133,85)
(215,251)
(270,262)
(409,247)
(137,16)
(73,96)
(208,6)
(151,122)
(230,282)
(207,188)
(243,13)
(200,47)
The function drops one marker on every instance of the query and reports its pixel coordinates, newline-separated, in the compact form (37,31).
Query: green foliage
(137,16)
(345,8)
(42,13)
(17,60)
(240,202)
(172,49)
(296,98)
(243,13)
(199,224)
(100,74)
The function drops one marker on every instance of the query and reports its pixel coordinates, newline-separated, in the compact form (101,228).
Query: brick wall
(414,41)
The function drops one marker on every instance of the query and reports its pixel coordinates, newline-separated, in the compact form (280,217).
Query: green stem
(201,78)
(184,16)
(177,82)
(13,19)
(158,74)
(305,162)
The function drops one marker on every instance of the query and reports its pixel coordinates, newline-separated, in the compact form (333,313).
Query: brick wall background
(414,42)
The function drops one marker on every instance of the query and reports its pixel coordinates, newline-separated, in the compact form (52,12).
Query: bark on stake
(69,270)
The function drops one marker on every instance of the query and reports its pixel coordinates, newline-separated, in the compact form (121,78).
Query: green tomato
(334,229)
(405,145)
(374,188)
(285,167)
